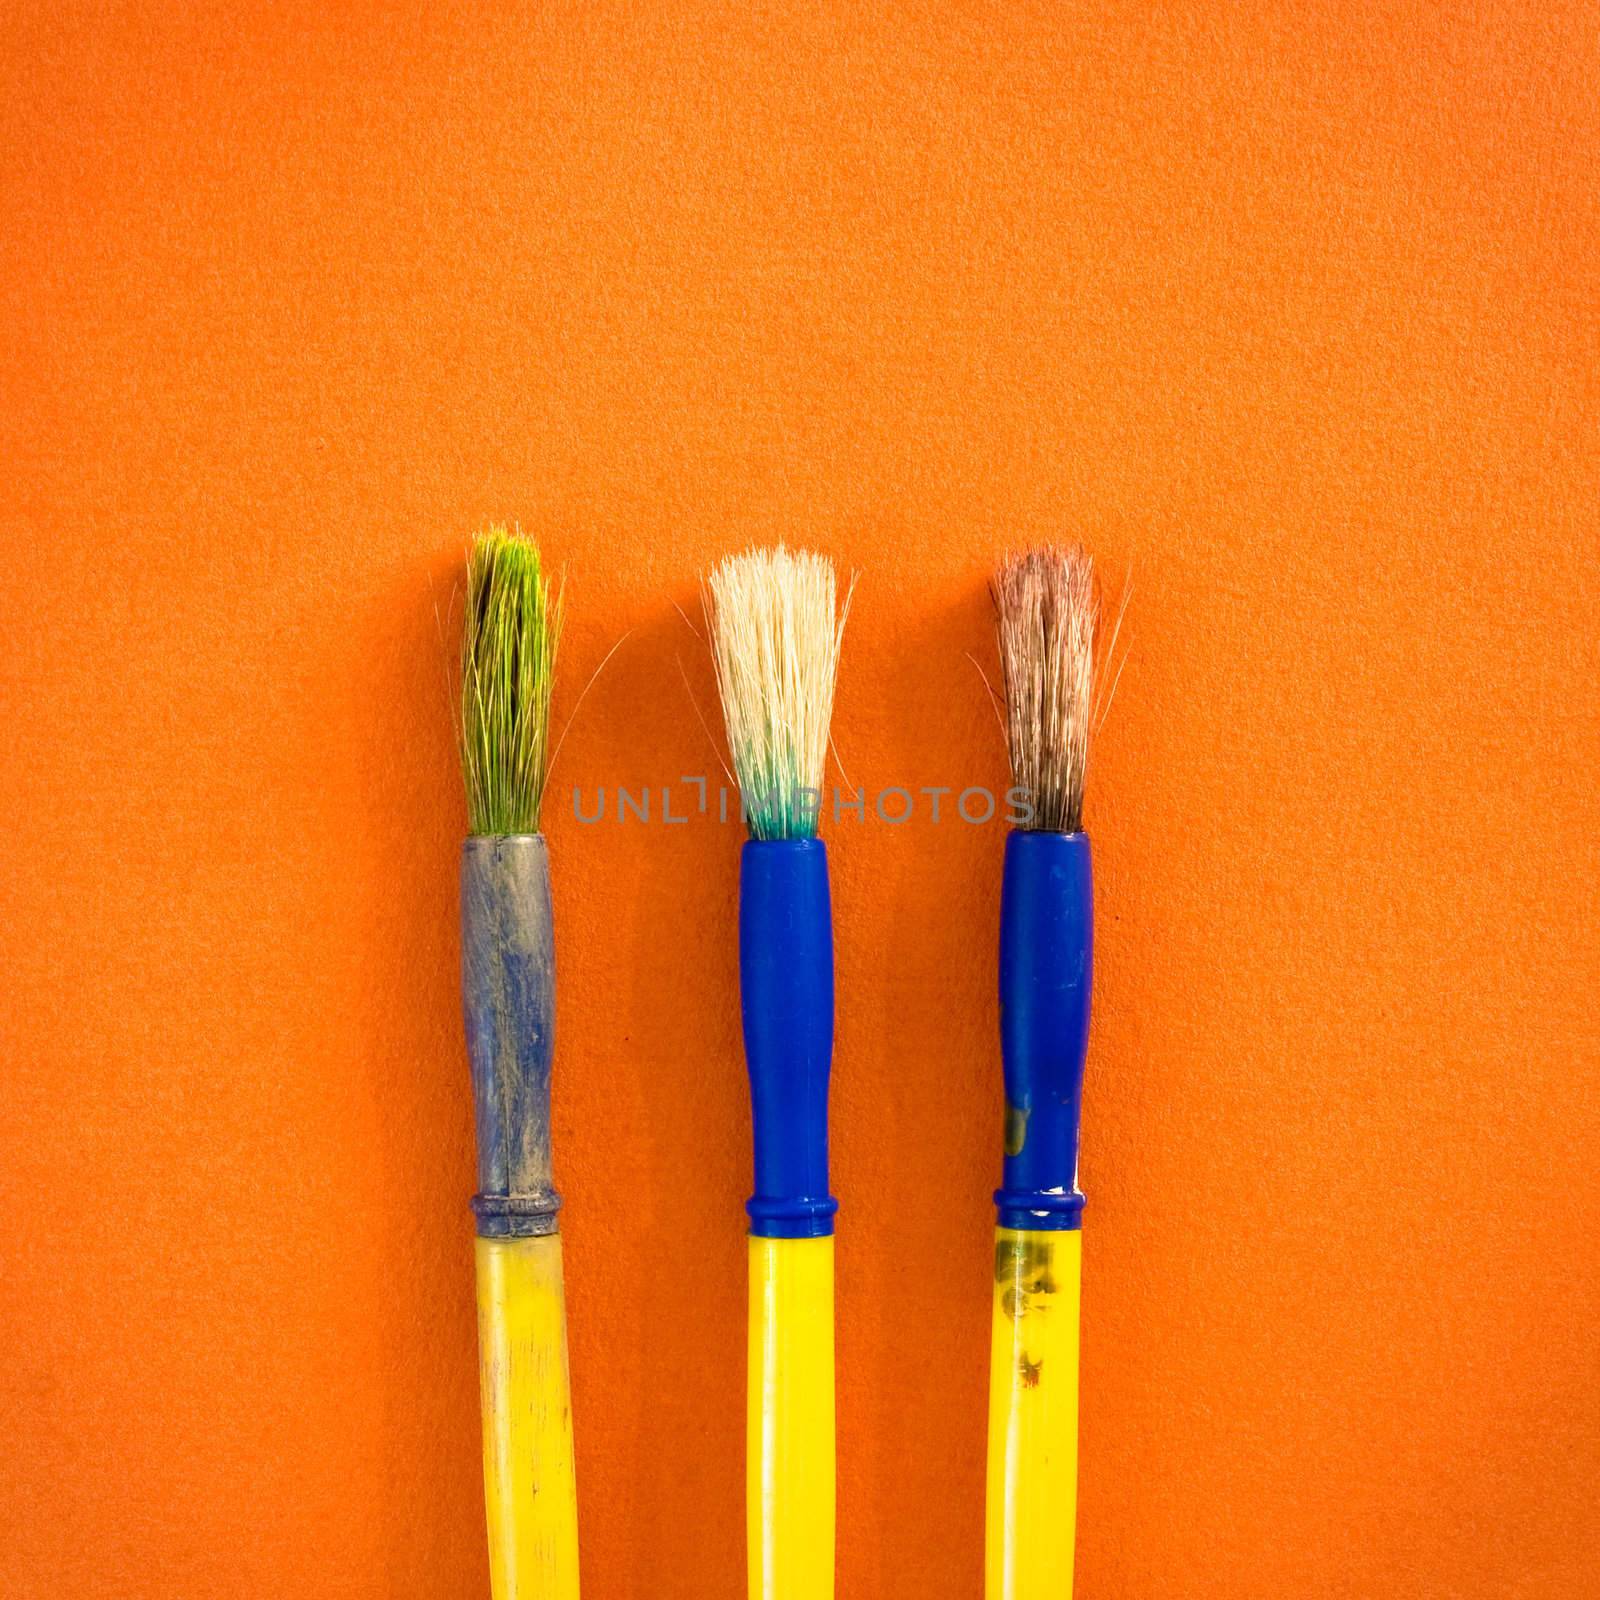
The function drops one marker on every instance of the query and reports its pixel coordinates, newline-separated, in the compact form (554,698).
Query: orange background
(1291,310)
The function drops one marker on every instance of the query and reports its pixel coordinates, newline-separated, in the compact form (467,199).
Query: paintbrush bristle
(508,657)
(775,635)
(1047,612)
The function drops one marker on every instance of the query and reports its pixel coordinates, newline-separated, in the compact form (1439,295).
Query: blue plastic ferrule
(1046,966)
(786,984)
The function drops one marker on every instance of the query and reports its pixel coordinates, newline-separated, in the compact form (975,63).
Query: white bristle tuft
(776,630)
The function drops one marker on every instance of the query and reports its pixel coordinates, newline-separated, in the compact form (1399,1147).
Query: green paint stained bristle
(508,658)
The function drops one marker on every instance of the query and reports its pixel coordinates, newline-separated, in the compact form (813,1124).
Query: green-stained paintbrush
(508,653)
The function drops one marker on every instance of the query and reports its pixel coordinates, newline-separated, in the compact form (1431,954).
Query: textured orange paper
(1292,309)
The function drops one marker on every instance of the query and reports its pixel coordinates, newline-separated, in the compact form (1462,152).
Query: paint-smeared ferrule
(508,995)
(786,984)
(1046,968)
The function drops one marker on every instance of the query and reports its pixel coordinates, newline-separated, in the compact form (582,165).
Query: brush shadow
(398,655)
(658,944)
(918,1146)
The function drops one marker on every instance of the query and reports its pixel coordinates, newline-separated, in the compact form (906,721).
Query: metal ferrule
(508,996)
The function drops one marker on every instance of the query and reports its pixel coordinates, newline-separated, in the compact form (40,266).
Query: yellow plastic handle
(789,1465)
(528,1484)
(1033,1416)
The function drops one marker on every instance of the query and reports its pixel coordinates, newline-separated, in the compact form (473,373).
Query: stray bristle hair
(775,639)
(1047,612)
(508,658)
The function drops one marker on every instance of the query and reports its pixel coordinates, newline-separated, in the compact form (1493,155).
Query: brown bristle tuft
(1047,612)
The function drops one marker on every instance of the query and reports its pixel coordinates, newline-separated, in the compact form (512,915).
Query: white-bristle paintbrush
(775,636)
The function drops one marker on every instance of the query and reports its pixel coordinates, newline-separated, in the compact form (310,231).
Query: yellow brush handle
(1033,1416)
(789,1470)
(527,1420)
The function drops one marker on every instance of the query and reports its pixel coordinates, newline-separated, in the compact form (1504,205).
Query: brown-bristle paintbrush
(1046,619)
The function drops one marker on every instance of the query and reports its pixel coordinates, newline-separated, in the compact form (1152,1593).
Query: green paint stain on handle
(1016,1129)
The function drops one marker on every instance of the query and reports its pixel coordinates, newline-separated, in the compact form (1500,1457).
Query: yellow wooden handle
(789,1466)
(528,1484)
(1033,1416)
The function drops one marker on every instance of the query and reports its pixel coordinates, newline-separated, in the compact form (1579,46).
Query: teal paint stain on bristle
(777,805)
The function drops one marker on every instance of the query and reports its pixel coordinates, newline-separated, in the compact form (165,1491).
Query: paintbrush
(512,625)
(775,636)
(1046,618)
